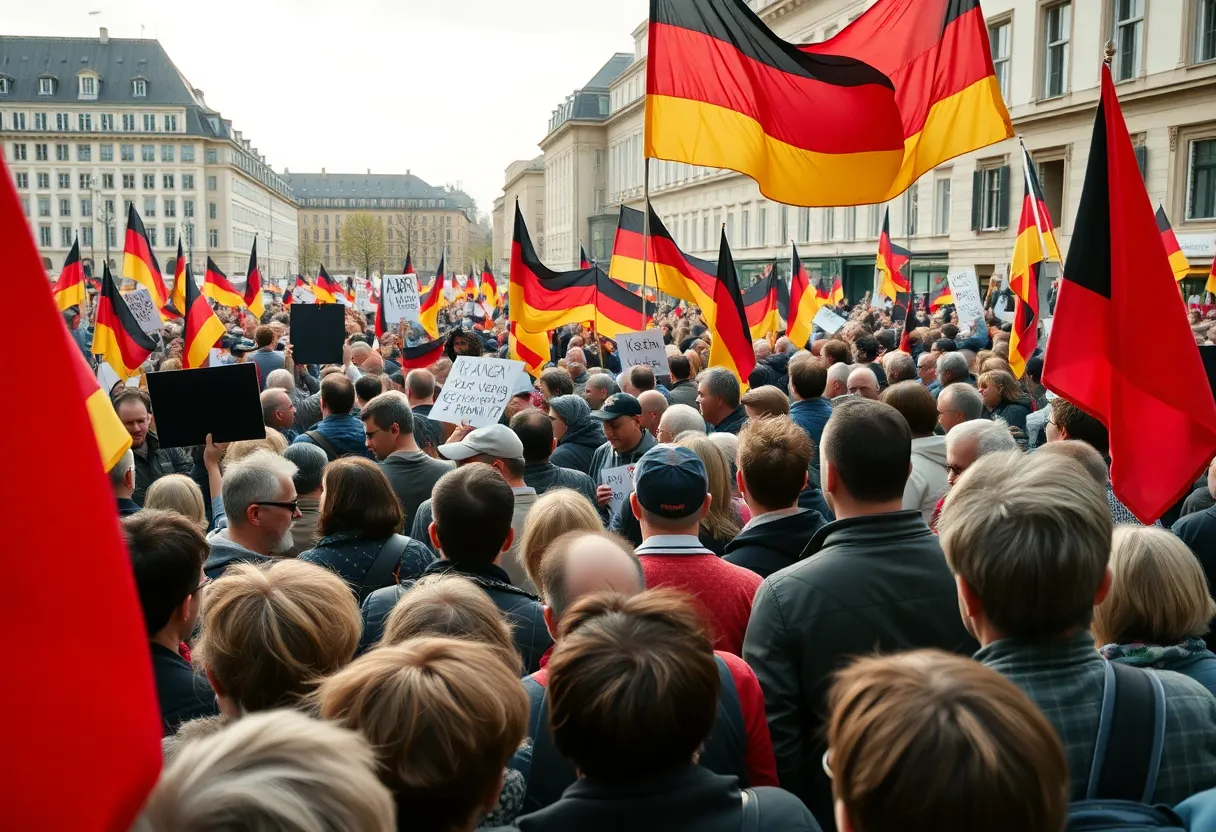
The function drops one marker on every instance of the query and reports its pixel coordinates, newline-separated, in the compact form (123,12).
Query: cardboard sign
(477,391)
(108,378)
(363,301)
(620,480)
(144,309)
(828,321)
(222,401)
(399,294)
(965,288)
(318,331)
(302,294)
(643,349)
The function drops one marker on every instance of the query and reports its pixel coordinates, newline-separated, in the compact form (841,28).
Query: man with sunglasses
(260,504)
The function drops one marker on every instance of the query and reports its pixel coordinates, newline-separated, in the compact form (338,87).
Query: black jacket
(544,476)
(1198,531)
(575,449)
(684,392)
(733,423)
(182,693)
(351,556)
(862,585)
(523,611)
(770,547)
(158,462)
(224,553)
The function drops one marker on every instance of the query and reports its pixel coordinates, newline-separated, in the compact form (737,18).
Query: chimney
(369,171)
(105,35)
(322,171)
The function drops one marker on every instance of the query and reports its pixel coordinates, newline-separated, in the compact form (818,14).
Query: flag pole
(645,227)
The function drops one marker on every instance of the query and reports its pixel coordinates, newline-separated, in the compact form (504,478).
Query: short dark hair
(132,394)
(535,431)
(869,445)
(774,455)
(310,462)
(358,496)
(263,336)
(867,348)
(421,384)
(368,387)
(1080,425)
(472,508)
(885,338)
(915,403)
(558,381)
(680,368)
(945,345)
(167,553)
(838,351)
(642,378)
(337,393)
(388,409)
(808,376)
(950,331)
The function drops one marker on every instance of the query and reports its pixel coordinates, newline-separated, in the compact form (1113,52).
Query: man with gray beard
(260,504)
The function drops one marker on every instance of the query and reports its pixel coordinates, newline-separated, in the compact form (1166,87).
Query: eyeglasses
(293,506)
(199,588)
(956,470)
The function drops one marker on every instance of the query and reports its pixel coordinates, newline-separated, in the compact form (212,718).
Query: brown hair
(449,606)
(263,336)
(443,716)
(722,519)
(994,364)
(767,400)
(270,633)
(555,512)
(929,741)
(167,553)
(558,382)
(808,375)
(170,364)
(472,508)
(337,393)
(358,497)
(838,351)
(274,442)
(774,455)
(1011,391)
(616,671)
(915,403)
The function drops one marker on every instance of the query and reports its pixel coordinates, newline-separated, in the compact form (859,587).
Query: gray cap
(498,441)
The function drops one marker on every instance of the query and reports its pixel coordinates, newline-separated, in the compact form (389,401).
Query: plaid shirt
(1067,679)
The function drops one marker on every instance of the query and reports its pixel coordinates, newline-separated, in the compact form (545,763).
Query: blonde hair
(1158,592)
(556,512)
(450,606)
(180,494)
(722,521)
(274,442)
(270,633)
(444,716)
(280,770)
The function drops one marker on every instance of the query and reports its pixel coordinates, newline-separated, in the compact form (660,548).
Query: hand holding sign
(644,349)
(477,390)
(620,480)
(399,294)
(829,321)
(965,288)
(144,309)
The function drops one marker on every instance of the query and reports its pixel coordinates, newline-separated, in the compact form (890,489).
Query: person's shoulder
(782,810)
(1185,693)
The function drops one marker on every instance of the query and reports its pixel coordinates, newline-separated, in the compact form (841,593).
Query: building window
(40,152)
(187,181)
(65,181)
(65,236)
(149,181)
(149,206)
(18,152)
(1129,25)
(85,181)
(911,209)
(46,86)
(84,153)
(1057,27)
(212,156)
(25,205)
(86,207)
(170,207)
(88,86)
(128,122)
(829,224)
(147,152)
(23,180)
(783,224)
(62,123)
(1201,180)
(85,122)
(151,229)
(86,235)
(187,207)
(212,183)
(149,123)
(170,236)
(44,206)
(107,181)
(65,207)
(44,235)
(128,181)
(62,153)
(166,153)
(44,181)
(212,210)
(170,124)
(167,181)
(139,88)
(990,199)
(941,207)
(18,121)
(127,152)
(39,121)
(107,122)
(6,85)
(107,152)
(316,235)
(187,153)
(1205,30)
(213,238)
(745,230)
(764,225)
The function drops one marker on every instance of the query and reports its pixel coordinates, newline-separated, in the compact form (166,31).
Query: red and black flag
(139,262)
(177,298)
(325,289)
(760,303)
(583,262)
(421,356)
(408,268)
(1178,262)
(432,302)
(890,263)
(217,287)
(203,328)
(69,289)
(254,301)
(805,302)
(1161,416)
(732,343)
(117,336)
(289,295)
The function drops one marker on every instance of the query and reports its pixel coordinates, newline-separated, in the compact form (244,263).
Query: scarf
(1154,655)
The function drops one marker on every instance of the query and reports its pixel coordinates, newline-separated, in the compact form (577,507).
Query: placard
(302,294)
(828,321)
(221,401)
(620,480)
(108,378)
(643,349)
(965,289)
(399,294)
(477,391)
(144,309)
(363,301)
(318,331)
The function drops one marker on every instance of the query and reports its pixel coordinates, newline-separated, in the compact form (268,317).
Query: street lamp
(105,215)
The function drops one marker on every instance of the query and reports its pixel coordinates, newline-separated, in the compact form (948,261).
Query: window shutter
(1003,197)
(1142,159)
(977,200)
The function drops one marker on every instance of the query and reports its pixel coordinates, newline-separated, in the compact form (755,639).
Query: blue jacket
(1200,668)
(812,415)
(350,555)
(344,432)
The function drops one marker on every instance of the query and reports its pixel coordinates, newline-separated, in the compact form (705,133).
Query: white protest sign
(828,321)
(216,357)
(144,309)
(302,294)
(643,349)
(399,295)
(363,300)
(620,480)
(1047,322)
(965,289)
(107,377)
(477,390)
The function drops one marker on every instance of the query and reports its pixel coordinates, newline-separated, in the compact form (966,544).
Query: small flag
(732,344)
(69,288)
(1178,261)
(254,301)
(432,301)
(117,336)
(805,302)
(489,286)
(217,287)
(177,298)
(422,356)
(941,294)
(890,263)
(760,305)
(203,328)
(408,268)
(325,288)
(1025,274)
(138,260)
(583,262)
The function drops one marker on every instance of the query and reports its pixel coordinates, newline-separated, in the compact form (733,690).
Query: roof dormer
(47,84)
(139,87)
(6,84)
(88,85)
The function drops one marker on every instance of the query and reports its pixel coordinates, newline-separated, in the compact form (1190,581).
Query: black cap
(618,404)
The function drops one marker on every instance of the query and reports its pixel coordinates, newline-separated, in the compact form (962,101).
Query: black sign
(221,401)
(318,331)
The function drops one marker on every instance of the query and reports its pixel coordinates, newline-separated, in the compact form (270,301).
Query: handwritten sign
(363,301)
(399,294)
(302,294)
(477,390)
(643,349)
(828,321)
(965,289)
(144,309)
(620,480)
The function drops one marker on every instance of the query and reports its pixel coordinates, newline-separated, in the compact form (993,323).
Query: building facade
(92,125)
(964,214)
(525,184)
(419,219)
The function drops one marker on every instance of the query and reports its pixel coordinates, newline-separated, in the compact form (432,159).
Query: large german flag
(1024,280)
(732,343)
(668,269)
(890,263)
(524,345)
(117,336)
(139,262)
(325,289)
(724,91)
(1178,261)
(217,287)
(936,53)
(254,301)
(805,302)
(203,328)
(69,288)
(432,301)
(761,305)
(177,298)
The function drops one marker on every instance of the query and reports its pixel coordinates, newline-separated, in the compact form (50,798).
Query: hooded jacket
(583,434)
(449,347)
(768,547)
(927,482)
(224,553)
(1013,413)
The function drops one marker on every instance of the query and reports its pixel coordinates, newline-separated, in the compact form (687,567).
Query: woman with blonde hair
(552,515)
(180,494)
(274,442)
(1158,608)
(1004,399)
(721,524)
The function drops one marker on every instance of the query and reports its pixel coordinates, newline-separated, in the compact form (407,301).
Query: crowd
(879,590)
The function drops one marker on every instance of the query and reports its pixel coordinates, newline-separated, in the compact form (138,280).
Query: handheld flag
(890,263)
(325,288)
(805,302)
(408,268)
(489,287)
(532,348)
(422,356)
(138,260)
(760,305)
(583,262)
(732,344)
(177,298)
(941,294)
(470,286)
(1178,261)
(203,328)
(1026,273)
(117,336)
(254,301)
(432,302)
(217,287)
(1161,417)
(69,288)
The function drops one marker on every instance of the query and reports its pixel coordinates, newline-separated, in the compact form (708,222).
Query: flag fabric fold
(138,260)
(69,289)
(940,295)
(761,307)
(203,328)
(117,336)
(890,263)
(524,345)
(583,262)
(732,344)
(805,302)
(177,298)
(325,289)
(489,287)
(217,287)
(421,356)
(432,301)
(254,301)
(1030,252)
(1178,262)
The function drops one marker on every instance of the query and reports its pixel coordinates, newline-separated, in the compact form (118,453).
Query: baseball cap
(498,441)
(618,404)
(670,481)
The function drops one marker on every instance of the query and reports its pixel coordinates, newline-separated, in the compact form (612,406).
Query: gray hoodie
(927,483)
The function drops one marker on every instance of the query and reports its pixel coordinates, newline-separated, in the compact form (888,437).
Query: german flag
(1211,284)
(421,356)
(530,347)
(432,301)
(668,269)
(805,302)
(836,292)
(936,53)
(1178,261)
(408,268)
(761,305)
(470,286)
(890,263)
(1051,249)
(723,91)
(117,336)
(940,295)
(177,298)
(217,287)
(203,328)
(254,301)
(1121,270)
(301,283)
(325,288)
(69,288)
(583,262)
(139,262)
(618,309)
(489,287)
(1025,278)
(732,343)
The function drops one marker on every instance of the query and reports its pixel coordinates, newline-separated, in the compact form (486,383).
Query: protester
(678,420)
(653,404)
(178,493)
(1004,399)
(864,382)
(577,434)
(310,462)
(848,594)
(927,740)
(576,366)
(684,386)
(273,442)
(718,398)
(1027,588)
(389,424)
(339,433)
(599,387)
(1198,531)
(952,369)
(808,382)
(419,389)
(167,552)
(152,461)
(626,442)
(836,351)
(866,351)
(265,356)
(899,367)
(535,432)
(969,441)
(836,388)
(553,383)
(278,413)
(773,458)
(926,370)
(958,403)
(366,389)
(760,402)
(927,482)
(721,523)
(260,504)
(558,512)
(122,482)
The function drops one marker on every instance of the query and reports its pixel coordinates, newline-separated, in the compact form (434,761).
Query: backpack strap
(750,820)
(381,572)
(324,444)
(1131,735)
(725,749)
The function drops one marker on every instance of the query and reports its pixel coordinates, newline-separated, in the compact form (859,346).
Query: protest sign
(620,480)
(108,378)
(399,294)
(318,331)
(144,309)
(477,390)
(643,349)
(828,321)
(965,289)
(302,294)
(363,301)
(221,401)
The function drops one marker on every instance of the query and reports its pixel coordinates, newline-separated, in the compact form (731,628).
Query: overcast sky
(453,90)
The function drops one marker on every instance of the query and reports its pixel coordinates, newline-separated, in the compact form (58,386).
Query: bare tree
(308,253)
(363,241)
